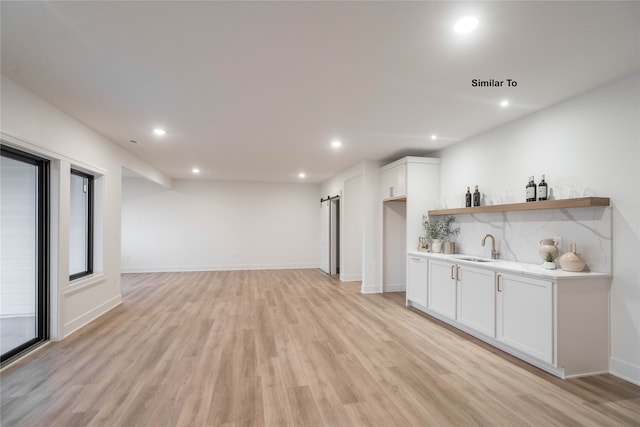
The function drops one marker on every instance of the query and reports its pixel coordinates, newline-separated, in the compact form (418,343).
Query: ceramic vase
(548,246)
(571,261)
(436,246)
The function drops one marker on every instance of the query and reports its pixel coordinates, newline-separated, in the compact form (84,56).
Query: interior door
(330,235)
(334,236)
(325,248)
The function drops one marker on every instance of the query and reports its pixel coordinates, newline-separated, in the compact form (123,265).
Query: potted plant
(439,230)
(549,263)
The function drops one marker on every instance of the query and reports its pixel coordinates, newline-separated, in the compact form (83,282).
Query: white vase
(436,246)
(548,246)
(571,261)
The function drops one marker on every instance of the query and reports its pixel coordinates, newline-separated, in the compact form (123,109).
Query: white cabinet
(558,323)
(442,288)
(477,299)
(525,315)
(409,187)
(463,293)
(417,271)
(394,182)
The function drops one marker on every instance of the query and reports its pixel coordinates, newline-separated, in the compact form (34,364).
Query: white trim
(351,278)
(82,284)
(395,287)
(186,268)
(624,370)
(412,159)
(39,150)
(83,320)
(371,289)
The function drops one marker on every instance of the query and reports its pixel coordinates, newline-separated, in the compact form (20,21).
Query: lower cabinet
(560,323)
(477,299)
(417,270)
(442,288)
(463,293)
(525,315)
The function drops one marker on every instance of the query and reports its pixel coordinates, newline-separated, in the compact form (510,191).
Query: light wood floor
(288,348)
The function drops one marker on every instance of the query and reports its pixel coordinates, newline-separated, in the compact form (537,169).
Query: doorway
(394,246)
(330,235)
(24,207)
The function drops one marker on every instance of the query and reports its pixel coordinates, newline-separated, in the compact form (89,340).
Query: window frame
(90,223)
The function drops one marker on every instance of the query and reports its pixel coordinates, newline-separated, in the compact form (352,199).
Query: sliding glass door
(23,251)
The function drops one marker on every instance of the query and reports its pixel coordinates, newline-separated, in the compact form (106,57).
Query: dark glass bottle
(467,202)
(476,197)
(543,190)
(531,190)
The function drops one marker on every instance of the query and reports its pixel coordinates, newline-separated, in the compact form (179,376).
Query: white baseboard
(83,320)
(371,289)
(395,287)
(187,268)
(624,370)
(351,278)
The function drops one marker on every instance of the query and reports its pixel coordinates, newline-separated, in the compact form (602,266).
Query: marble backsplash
(518,234)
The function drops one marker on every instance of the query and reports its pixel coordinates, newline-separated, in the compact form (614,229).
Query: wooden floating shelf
(582,202)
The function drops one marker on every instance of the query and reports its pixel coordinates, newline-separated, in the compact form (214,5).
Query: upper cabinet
(415,180)
(394,182)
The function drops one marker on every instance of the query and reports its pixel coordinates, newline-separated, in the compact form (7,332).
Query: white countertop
(511,266)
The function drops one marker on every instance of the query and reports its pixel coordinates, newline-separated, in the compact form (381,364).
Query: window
(81,225)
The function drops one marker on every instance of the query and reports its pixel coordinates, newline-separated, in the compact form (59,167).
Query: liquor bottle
(476,197)
(531,190)
(543,192)
(468,198)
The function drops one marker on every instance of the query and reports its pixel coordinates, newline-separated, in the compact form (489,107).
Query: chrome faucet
(494,253)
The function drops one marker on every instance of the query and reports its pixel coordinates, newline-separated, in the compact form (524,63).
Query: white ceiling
(257,90)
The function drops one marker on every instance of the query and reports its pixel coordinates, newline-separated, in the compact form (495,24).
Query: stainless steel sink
(472,259)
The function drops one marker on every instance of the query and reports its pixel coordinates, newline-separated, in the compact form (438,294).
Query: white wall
(215,225)
(33,125)
(394,258)
(351,230)
(587,145)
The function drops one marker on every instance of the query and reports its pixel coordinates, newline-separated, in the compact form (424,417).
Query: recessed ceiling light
(159,131)
(466,25)
(504,103)
(195,170)
(433,136)
(336,143)
(302,175)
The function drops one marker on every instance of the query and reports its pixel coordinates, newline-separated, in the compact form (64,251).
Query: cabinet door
(476,299)
(525,315)
(442,288)
(417,269)
(393,183)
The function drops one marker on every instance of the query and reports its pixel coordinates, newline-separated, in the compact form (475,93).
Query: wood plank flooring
(288,348)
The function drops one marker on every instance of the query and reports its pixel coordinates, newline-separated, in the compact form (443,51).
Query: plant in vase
(549,262)
(439,230)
